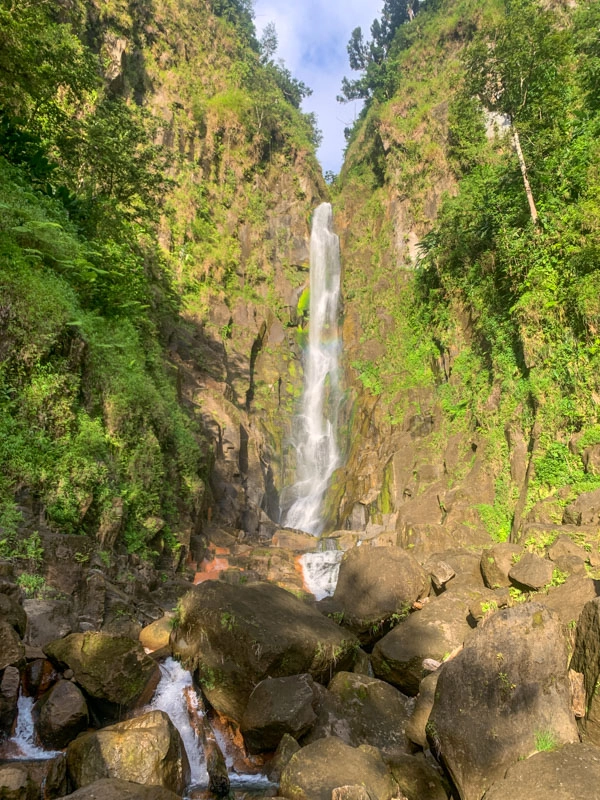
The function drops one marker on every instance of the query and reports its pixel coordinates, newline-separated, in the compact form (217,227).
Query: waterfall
(315,427)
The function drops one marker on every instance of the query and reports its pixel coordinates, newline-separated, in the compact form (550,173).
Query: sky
(312,36)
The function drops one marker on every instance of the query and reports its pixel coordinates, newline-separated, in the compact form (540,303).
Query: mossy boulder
(236,636)
(376,585)
(501,697)
(114,789)
(146,750)
(328,764)
(113,671)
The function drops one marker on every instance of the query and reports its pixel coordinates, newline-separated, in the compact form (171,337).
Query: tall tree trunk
(528,192)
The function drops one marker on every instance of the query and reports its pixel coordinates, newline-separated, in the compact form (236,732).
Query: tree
(515,68)
(268,43)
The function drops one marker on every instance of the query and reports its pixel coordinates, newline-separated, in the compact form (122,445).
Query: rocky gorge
(436,633)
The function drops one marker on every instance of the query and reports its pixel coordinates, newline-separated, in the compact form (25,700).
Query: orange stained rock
(209,570)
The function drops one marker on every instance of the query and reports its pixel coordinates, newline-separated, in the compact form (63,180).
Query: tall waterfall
(315,426)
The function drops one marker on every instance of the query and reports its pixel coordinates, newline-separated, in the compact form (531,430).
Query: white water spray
(24,737)
(170,697)
(315,428)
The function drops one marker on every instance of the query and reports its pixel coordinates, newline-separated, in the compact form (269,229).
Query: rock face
(113,670)
(12,651)
(571,773)
(236,636)
(9,695)
(433,632)
(62,714)
(114,789)
(362,710)
(278,706)
(328,764)
(147,750)
(374,584)
(496,699)
(586,659)
(13,613)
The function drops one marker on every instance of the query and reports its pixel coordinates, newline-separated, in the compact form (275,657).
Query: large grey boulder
(236,636)
(571,773)
(364,710)
(61,713)
(431,633)
(317,770)
(508,687)
(376,585)
(146,750)
(114,789)
(114,671)
(497,562)
(278,706)
(48,620)
(531,572)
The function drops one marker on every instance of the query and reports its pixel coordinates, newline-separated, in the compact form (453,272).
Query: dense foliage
(503,307)
(90,425)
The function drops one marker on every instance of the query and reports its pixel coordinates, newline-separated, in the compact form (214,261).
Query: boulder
(416,727)
(417,778)
(583,511)
(328,764)
(146,749)
(156,636)
(278,706)
(48,620)
(586,659)
(497,562)
(376,585)
(114,671)
(531,572)
(571,773)
(9,695)
(565,546)
(12,651)
(433,632)
(467,569)
(12,612)
(439,571)
(569,599)
(236,636)
(114,789)
(34,779)
(360,709)
(285,750)
(61,713)
(507,687)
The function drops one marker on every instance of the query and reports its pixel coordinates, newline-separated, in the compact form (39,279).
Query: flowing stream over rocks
(22,745)
(316,425)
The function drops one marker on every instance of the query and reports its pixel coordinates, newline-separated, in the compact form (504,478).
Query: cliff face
(186,161)
(457,307)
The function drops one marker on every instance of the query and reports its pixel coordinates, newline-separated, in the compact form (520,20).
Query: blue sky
(313,35)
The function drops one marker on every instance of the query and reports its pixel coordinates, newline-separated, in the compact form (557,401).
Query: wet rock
(9,695)
(48,620)
(278,706)
(416,778)
(433,632)
(360,709)
(39,676)
(12,651)
(531,572)
(61,713)
(113,671)
(114,789)
(571,773)
(375,585)
(318,769)
(236,636)
(508,684)
(497,562)
(146,750)
(289,539)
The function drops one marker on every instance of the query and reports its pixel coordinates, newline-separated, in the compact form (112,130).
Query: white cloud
(312,41)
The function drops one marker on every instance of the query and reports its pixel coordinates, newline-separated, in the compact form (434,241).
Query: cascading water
(317,455)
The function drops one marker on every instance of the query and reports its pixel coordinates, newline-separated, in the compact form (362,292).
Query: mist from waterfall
(315,427)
